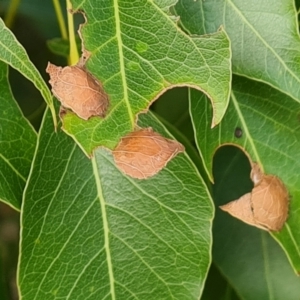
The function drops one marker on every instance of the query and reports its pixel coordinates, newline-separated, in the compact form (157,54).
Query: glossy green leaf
(14,54)
(90,232)
(249,258)
(138,52)
(270,126)
(17,144)
(264,37)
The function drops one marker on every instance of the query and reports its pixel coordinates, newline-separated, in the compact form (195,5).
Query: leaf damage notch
(78,90)
(143,153)
(266,207)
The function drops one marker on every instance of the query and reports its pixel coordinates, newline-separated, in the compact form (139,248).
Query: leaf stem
(73,56)
(60,19)
(11,13)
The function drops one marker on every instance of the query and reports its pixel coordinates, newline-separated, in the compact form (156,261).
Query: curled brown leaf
(266,207)
(143,153)
(78,90)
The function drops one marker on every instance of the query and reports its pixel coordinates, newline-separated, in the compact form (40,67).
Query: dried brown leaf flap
(266,207)
(143,153)
(78,90)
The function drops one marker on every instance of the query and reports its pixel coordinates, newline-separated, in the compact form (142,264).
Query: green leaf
(90,232)
(270,125)
(138,52)
(14,54)
(61,46)
(248,257)
(264,37)
(17,144)
(224,290)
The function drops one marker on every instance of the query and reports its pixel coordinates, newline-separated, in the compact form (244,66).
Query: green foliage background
(90,232)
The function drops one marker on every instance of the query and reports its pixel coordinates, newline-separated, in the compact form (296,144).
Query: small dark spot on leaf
(238,132)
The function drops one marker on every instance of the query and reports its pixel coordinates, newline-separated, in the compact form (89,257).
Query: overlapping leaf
(61,47)
(264,37)
(14,54)
(17,144)
(90,232)
(252,262)
(138,51)
(270,127)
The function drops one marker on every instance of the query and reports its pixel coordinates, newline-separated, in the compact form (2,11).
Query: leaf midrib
(105,228)
(121,59)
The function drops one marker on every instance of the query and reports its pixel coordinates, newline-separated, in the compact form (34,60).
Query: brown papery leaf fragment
(241,209)
(143,153)
(270,203)
(266,207)
(78,90)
